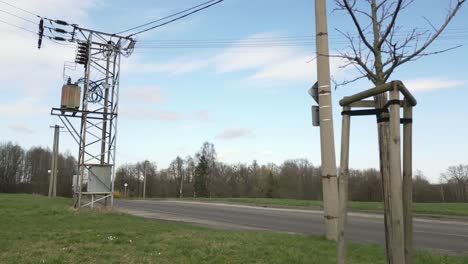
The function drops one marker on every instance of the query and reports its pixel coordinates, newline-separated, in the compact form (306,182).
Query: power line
(25,29)
(19,8)
(11,14)
(166,17)
(177,18)
(450,33)
(53,39)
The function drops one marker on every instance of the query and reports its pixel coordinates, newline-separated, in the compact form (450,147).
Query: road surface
(450,236)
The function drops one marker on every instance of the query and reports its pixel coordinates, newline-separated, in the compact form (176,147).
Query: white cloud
(176,67)
(138,113)
(234,133)
(146,94)
(25,68)
(202,115)
(25,106)
(433,83)
(21,129)
(191,119)
(251,56)
(260,63)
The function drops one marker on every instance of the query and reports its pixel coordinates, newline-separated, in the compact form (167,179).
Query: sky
(250,101)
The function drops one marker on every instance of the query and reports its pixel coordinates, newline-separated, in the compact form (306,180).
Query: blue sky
(251,102)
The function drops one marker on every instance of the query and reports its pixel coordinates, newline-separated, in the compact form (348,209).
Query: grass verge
(35,229)
(455,209)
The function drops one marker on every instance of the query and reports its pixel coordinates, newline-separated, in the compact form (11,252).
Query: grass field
(35,229)
(460,209)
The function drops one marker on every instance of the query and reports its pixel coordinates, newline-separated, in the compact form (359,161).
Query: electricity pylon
(96,134)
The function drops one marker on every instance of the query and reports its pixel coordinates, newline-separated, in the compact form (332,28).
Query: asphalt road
(451,236)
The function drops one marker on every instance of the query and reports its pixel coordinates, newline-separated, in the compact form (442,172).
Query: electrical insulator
(41,33)
(59,38)
(82,55)
(59,30)
(61,22)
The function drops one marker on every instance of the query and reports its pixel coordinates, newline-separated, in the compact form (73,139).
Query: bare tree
(457,178)
(375,54)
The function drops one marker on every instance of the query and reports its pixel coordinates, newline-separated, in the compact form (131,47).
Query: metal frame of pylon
(96,132)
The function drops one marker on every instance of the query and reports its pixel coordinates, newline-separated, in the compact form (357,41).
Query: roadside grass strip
(36,229)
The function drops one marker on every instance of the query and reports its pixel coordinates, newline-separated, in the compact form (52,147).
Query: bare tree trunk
(391,217)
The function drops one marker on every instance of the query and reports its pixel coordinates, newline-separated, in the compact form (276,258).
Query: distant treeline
(204,176)
(27,171)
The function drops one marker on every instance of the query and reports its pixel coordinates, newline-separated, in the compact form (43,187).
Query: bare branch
(346,82)
(429,22)
(350,10)
(389,71)
(392,23)
(436,34)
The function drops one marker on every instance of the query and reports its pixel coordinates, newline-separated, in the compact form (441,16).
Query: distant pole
(54,164)
(181,185)
(327,143)
(144,183)
(125,190)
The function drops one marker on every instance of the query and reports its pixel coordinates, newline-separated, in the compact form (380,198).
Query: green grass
(35,229)
(456,209)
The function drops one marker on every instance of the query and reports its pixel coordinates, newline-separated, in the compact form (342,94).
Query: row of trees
(27,171)
(203,175)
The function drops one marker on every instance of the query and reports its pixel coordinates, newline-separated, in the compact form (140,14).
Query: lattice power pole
(91,116)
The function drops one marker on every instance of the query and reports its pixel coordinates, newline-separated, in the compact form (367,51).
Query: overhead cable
(166,17)
(22,18)
(177,18)
(22,28)
(19,8)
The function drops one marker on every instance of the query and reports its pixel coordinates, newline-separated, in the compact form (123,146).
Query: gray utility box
(315,115)
(99,178)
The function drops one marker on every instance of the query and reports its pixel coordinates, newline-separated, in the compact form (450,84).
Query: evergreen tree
(201,173)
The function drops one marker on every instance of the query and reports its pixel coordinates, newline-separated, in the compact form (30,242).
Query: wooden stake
(395,188)
(343,187)
(408,181)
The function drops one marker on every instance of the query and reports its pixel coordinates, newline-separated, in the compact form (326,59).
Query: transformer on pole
(93,121)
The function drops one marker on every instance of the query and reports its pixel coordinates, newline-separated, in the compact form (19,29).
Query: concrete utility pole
(54,165)
(327,143)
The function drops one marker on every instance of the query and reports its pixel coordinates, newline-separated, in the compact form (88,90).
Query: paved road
(451,236)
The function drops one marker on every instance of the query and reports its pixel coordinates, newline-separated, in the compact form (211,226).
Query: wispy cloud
(145,94)
(258,63)
(202,115)
(433,83)
(138,113)
(191,119)
(234,133)
(23,66)
(21,129)
(25,106)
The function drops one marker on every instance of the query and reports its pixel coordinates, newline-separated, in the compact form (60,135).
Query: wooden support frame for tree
(400,186)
